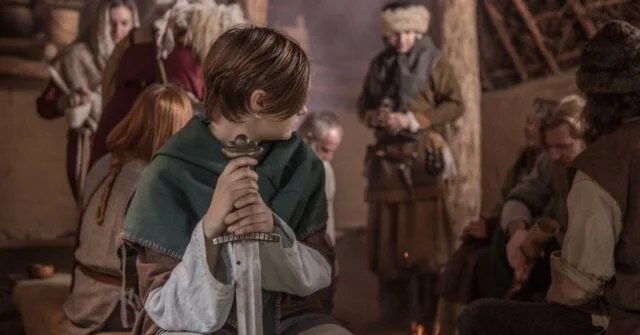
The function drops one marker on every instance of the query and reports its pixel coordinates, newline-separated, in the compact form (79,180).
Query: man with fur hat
(408,89)
(595,276)
(169,49)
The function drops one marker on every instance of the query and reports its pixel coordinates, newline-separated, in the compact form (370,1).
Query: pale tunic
(195,300)
(100,248)
(330,190)
(595,224)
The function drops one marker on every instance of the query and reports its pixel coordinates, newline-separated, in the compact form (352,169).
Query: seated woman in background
(76,79)
(104,274)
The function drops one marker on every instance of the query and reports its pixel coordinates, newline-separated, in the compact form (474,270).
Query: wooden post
(460,48)
(256,11)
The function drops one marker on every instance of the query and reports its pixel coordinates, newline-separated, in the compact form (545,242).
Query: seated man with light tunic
(323,132)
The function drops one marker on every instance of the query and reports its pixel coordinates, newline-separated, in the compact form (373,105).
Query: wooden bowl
(40,271)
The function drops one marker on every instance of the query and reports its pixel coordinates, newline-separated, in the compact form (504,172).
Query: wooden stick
(486,78)
(18,67)
(566,56)
(604,3)
(581,14)
(498,23)
(537,36)
(27,48)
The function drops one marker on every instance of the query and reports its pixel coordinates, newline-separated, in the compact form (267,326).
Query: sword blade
(248,279)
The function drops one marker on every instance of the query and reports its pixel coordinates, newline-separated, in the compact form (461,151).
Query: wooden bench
(16,255)
(40,301)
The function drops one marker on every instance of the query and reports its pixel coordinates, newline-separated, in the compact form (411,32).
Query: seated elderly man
(323,132)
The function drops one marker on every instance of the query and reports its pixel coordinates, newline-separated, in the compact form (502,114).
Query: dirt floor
(356,301)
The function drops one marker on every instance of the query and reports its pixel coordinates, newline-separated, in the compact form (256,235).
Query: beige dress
(100,249)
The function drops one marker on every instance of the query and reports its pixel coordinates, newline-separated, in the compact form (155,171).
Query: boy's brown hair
(248,58)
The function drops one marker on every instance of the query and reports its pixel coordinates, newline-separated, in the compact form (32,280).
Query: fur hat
(610,61)
(405,17)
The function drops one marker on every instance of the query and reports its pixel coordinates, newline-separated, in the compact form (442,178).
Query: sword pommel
(242,146)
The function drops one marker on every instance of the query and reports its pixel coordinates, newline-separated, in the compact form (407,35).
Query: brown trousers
(411,299)
(502,317)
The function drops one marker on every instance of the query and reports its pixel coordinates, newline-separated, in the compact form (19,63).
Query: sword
(245,257)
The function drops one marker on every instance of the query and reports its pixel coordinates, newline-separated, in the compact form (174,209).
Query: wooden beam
(20,67)
(537,36)
(567,56)
(604,3)
(548,15)
(498,23)
(581,14)
(486,78)
(27,48)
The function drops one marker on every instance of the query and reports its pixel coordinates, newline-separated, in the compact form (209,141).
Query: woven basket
(63,25)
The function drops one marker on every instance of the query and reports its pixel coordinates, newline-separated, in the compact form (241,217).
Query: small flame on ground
(417,329)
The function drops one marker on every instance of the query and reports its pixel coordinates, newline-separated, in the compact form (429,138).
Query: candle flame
(417,329)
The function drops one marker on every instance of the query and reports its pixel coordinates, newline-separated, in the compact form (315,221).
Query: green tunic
(176,189)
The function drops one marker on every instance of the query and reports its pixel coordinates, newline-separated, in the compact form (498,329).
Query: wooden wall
(35,199)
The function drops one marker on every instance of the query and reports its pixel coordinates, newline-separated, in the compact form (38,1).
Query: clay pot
(40,271)
(63,24)
(16,19)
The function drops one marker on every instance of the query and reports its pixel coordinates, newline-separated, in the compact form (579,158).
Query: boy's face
(270,128)
(402,41)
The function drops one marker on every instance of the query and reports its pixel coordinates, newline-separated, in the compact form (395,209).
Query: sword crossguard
(242,146)
(262,237)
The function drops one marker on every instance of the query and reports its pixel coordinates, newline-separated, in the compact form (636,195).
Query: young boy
(256,83)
